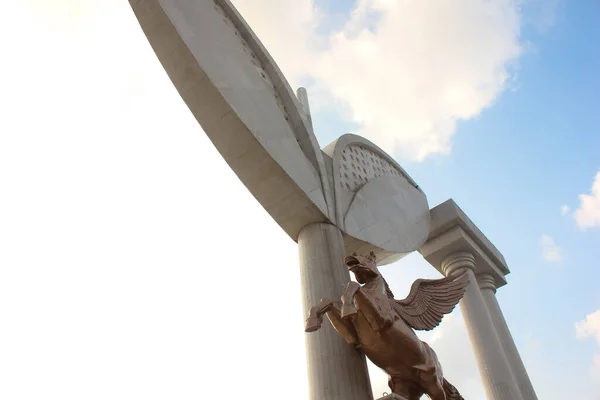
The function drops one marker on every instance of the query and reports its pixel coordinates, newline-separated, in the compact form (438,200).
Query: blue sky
(534,149)
(115,207)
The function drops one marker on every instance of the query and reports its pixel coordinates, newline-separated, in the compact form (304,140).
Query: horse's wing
(430,299)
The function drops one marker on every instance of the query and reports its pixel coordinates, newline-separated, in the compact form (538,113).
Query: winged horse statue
(380,326)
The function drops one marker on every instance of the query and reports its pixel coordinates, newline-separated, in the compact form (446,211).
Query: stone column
(487,286)
(493,366)
(336,370)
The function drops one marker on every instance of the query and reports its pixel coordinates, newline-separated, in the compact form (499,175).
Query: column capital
(451,232)
(458,261)
(486,281)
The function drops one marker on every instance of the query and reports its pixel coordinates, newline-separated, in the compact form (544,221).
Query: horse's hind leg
(405,388)
(436,391)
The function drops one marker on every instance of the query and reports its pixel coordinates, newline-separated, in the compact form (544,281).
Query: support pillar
(487,286)
(498,381)
(336,370)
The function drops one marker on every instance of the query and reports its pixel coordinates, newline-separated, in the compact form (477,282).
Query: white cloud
(550,250)
(564,210)
(405,72)
(588,213)
(590,328)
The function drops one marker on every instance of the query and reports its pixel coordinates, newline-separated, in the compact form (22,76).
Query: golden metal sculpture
(382,327)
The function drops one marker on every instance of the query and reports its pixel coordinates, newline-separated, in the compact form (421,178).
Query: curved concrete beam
(243,103)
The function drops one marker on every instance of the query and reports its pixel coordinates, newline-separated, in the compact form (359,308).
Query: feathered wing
(430,299)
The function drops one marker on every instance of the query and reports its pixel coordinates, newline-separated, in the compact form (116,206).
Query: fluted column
(336,370)
(487,286)
(495,372)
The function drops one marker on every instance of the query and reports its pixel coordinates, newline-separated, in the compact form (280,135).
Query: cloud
(590,328)
(588,213)
(564,210)
(550,250)
(404,72)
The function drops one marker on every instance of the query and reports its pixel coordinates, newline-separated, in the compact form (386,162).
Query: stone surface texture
(451,232)
(448,215)
(377,202)
(488,291)
(498,381)
(336,371)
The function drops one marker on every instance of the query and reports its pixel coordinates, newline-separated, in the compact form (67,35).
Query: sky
(134,263)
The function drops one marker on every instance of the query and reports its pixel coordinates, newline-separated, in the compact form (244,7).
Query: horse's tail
(450,391)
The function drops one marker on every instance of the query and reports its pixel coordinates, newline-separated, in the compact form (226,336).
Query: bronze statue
(381,327)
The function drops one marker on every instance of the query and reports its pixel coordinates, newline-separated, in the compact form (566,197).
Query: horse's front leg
(348,307)
(378,318)
(342,326)
(315,315)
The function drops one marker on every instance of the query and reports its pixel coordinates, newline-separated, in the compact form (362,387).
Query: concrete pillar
(336,370)
(498,382)
(487,285)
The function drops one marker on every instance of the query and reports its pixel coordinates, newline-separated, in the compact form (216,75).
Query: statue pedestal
(392,396)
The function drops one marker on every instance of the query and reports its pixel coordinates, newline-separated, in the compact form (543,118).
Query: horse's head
(364,268)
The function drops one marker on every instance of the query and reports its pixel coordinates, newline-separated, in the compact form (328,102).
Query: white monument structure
(348,197)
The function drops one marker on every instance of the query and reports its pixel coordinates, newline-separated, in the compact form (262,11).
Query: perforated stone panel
(360,165)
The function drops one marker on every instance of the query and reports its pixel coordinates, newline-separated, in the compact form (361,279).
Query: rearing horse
(381,327)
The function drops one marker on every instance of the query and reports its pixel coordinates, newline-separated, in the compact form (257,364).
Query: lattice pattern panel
(360,165)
